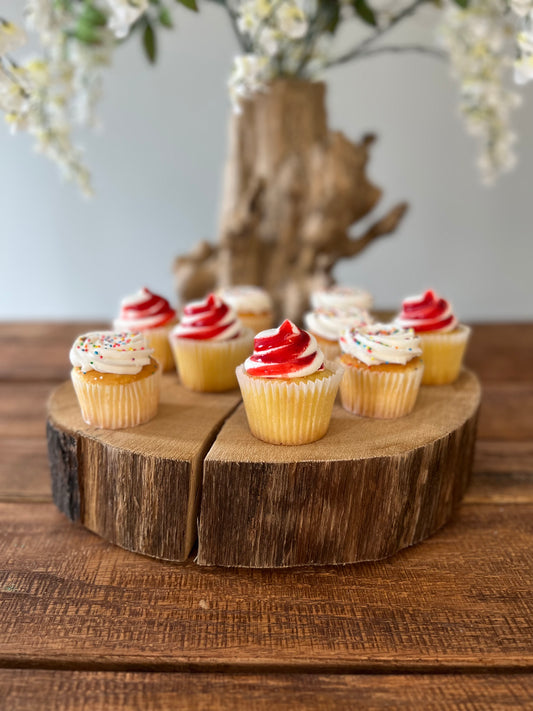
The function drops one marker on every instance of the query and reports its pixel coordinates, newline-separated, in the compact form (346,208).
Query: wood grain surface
(127,691)
(136,487)
(447,624)
(460,600)
(363,492)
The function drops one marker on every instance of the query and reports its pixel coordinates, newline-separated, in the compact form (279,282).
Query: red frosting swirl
(143,310)
(284,352)
(211,319)
(427,312)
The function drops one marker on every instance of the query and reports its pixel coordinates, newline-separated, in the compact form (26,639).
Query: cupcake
(252,305)
(115,378)
(383,370)
(208,344)
(442,337)
(287,390)
(341,297)
(152,315)
(326,325)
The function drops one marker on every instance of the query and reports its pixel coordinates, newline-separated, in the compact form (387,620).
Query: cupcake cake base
(364,491)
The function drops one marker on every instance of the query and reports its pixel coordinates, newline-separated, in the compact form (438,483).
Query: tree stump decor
(293,189)
(366,490)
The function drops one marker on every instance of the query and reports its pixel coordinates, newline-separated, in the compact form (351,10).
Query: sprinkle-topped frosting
(143,310)
(381,343)
(427,312)
(246,299)
(211,319)
(330,323)
(341,297)
(284,352)
(109,352)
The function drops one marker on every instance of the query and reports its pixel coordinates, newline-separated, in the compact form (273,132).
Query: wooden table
(446,624)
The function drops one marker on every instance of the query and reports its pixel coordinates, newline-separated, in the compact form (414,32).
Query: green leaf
(85,33)
(150,43)
(365,12)
(462,3)
(164,18)
(93,15)
(191,4)
(330,15)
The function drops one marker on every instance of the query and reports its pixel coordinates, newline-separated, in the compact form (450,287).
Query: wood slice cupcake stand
(366,490)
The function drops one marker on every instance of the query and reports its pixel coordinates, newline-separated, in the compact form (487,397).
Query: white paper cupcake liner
(114,406)
(381,394)
(443,355)
(289,411)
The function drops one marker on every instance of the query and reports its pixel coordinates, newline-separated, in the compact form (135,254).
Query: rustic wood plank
(460,600)
(24,470)
(506,412)
(503,473)
(23,409)
(32,690)
(501,352)
(18,341)
(364,491)
(137,487)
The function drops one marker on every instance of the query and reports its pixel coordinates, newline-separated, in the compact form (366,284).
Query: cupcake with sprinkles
(152,315)
(443,338)
(383,370)
(208,344)
(115,378)
(287,389)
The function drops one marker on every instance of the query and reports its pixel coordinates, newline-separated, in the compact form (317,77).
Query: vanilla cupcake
(287,390)
(152,315)
(341,297)
(326,325)
(208,344)
(115,378)
(383,370)
(442,337)
(252,305)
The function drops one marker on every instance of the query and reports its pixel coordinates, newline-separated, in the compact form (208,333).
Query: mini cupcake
(341,297)
(208,344)
(326,325)
(152,315)
(442,337)
(287,391)
(383,370)
(115,378)
(252,305)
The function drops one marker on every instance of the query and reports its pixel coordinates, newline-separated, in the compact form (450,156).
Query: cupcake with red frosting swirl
(208,344)
(152,315)
(443,338)
(287,389)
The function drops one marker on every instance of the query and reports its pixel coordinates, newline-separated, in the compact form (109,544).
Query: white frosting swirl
(246,299)
(381,343)
(109,352)
(341,297)
(330,323)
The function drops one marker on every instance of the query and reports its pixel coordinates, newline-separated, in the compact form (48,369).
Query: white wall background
(157,171)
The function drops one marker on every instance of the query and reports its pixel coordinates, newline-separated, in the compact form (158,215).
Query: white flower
(523,69)
(292,20)
(124,13)
(250,75)
(11,37)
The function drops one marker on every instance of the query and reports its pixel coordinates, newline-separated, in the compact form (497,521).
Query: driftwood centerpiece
(366,490)
(292,191)
(138,488)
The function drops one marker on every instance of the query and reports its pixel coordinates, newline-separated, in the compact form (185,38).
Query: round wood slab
(366,490)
